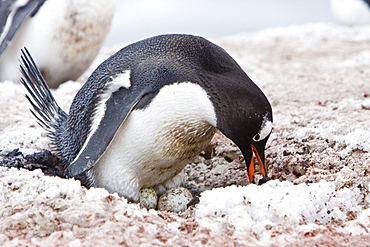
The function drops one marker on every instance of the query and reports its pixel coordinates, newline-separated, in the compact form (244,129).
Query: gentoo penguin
(64,36)
(150,109)
(351,12)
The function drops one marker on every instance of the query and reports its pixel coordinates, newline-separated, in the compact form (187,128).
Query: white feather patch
(119,81)
(265,130)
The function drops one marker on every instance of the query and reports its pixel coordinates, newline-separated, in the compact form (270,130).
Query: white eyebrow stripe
(265,130)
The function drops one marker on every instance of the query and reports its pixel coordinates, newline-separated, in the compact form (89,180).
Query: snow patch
(279,203)
(358,139)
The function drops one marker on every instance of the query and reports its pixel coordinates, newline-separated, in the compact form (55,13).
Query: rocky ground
(317,78)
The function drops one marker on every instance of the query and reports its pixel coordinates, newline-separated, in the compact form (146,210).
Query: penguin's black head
(252,139)
(245,116)
(253,148)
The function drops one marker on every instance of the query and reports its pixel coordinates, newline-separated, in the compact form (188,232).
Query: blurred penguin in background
(64,36)
(351,12)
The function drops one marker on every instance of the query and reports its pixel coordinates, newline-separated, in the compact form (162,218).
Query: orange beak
(251,165)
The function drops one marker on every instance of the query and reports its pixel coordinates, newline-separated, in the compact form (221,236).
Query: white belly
(351,12)
(153,145)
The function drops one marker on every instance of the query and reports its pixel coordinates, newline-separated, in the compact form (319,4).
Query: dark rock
(50,164)
(263,180)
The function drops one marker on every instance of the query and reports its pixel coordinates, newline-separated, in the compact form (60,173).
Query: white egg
(175,200)
(148,198)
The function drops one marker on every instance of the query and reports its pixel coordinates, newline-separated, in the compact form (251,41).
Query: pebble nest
(317,78)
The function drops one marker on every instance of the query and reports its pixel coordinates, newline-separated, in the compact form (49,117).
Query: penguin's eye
(257,137)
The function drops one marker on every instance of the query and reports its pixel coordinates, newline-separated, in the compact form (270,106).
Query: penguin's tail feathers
(45,108)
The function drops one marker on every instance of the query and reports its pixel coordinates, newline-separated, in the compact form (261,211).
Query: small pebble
(175,200)
(263,180)
(148,198)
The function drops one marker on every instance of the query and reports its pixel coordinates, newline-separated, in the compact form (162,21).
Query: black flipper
(368,3)
(12,17)
(118,108)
